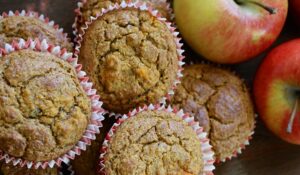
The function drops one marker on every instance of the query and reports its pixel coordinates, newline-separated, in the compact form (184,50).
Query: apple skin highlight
(276,89)
(225,32)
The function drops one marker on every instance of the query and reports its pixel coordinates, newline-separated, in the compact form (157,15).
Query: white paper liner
(97,111)
(79,18)
(208,154)
(142,7)
(36,15)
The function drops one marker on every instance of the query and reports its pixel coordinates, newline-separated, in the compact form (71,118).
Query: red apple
(277,91)
(230,31)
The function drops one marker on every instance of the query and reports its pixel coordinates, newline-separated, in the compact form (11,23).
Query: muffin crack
(134,58)
(44,103)
(220,103)
(155,141)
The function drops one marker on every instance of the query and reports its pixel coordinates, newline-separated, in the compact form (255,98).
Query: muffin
(131,56)
(12,170)
(44,110)
(220,101)
(48,111)
(90,8)
(87,163)
(30,25)
(156,141)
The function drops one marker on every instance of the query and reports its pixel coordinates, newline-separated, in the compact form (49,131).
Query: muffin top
(131,57)
(17,27)
(220,101)
(13,170)
(94,7)
(154,142)
(43,109)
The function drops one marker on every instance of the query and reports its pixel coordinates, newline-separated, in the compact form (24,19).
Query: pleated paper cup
(142,7)
(206,148)
(96,117)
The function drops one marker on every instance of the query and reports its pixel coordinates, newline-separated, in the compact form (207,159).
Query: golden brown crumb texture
(17,27)
(220,102)
(43,109)
(154,142)
(131,57)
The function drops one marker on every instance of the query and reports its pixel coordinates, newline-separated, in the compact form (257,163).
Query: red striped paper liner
(79,19)
(97,111)
(208,157)
(142,7)
(36,15)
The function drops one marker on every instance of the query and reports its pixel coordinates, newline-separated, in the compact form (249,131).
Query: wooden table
(266,155)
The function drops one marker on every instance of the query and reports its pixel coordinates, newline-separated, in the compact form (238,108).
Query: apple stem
(292,117)
(271,10)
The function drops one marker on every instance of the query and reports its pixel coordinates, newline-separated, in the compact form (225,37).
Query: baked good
(44,111)
(93,7)
(131,56)
(30,26)
(154,142)
(13,170)
(87,162)
(221,103)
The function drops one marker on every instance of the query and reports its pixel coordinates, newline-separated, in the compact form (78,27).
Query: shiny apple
(277,91)
(230,31)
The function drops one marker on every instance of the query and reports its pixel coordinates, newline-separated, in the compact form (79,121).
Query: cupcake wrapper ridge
(143,7)
(208,154)
(97,112)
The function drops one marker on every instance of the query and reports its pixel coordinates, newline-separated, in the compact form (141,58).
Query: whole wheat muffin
(220,101)
(131,57)
(87,162)
(94,7)
(17,27)
(13,170)
(154,142)
(43,109)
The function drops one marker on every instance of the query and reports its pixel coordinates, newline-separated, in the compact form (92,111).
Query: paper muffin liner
(249,137)
(97,112)
(208,154)
(79,19)
(142,7)
(38,16)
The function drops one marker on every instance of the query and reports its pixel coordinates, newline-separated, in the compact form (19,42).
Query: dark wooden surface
(266,155)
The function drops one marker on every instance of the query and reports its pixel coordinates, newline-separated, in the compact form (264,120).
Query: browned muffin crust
(17,27)
(13,170)
(154,142)
(131,57)
(88,162)
(94,7)
(43,109)
(221,103)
